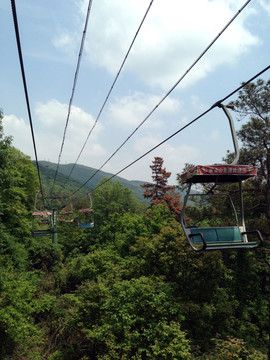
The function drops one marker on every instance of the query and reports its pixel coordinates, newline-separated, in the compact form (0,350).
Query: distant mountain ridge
(82,173)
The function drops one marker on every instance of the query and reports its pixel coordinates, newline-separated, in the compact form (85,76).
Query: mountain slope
(81,174)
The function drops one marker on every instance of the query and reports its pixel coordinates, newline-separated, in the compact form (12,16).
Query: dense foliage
(130,288)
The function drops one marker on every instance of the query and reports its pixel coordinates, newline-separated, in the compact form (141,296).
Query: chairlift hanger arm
(234,137)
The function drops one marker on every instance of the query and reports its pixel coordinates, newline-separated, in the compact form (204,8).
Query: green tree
(197,279)
(254,102)
(18,191)
(18,331)
(18,182)
(122,231)
(5,142)
(122,319)
(4,150)
(233,349)
(110,198)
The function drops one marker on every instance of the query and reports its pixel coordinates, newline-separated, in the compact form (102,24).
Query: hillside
(81,174)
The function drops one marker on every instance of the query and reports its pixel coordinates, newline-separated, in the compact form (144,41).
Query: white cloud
(51,118)
(20,132)
(265,5)
(172,37)
(144,143)
(174,158)
(65,41)
(174,34)
(130,111)
(197,103)
(214,135)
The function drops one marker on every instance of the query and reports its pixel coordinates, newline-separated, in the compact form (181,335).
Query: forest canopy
(131,287)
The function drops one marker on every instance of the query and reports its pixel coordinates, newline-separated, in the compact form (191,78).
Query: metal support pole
(54,226)
(243,225)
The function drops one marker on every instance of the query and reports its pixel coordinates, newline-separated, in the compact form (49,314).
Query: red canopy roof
(219,173)
(41,213)
(86,211)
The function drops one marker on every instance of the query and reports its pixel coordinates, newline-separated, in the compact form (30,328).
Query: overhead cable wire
(176,132)
(73,89)
(17,33)
(171,90)
(111,88)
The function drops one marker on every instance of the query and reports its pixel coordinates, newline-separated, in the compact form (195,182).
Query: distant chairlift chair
(86,216)
(42,223)
(66,216)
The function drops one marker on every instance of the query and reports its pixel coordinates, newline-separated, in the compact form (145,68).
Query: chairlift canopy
(42,213)
(85,210)
(218,173)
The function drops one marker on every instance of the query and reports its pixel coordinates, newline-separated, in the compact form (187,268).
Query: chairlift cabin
(215,231)
(42,220)
(42,224)
(86,216)
(206,234)
(65,217)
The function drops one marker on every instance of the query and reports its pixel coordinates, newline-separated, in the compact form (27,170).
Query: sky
(174,34)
